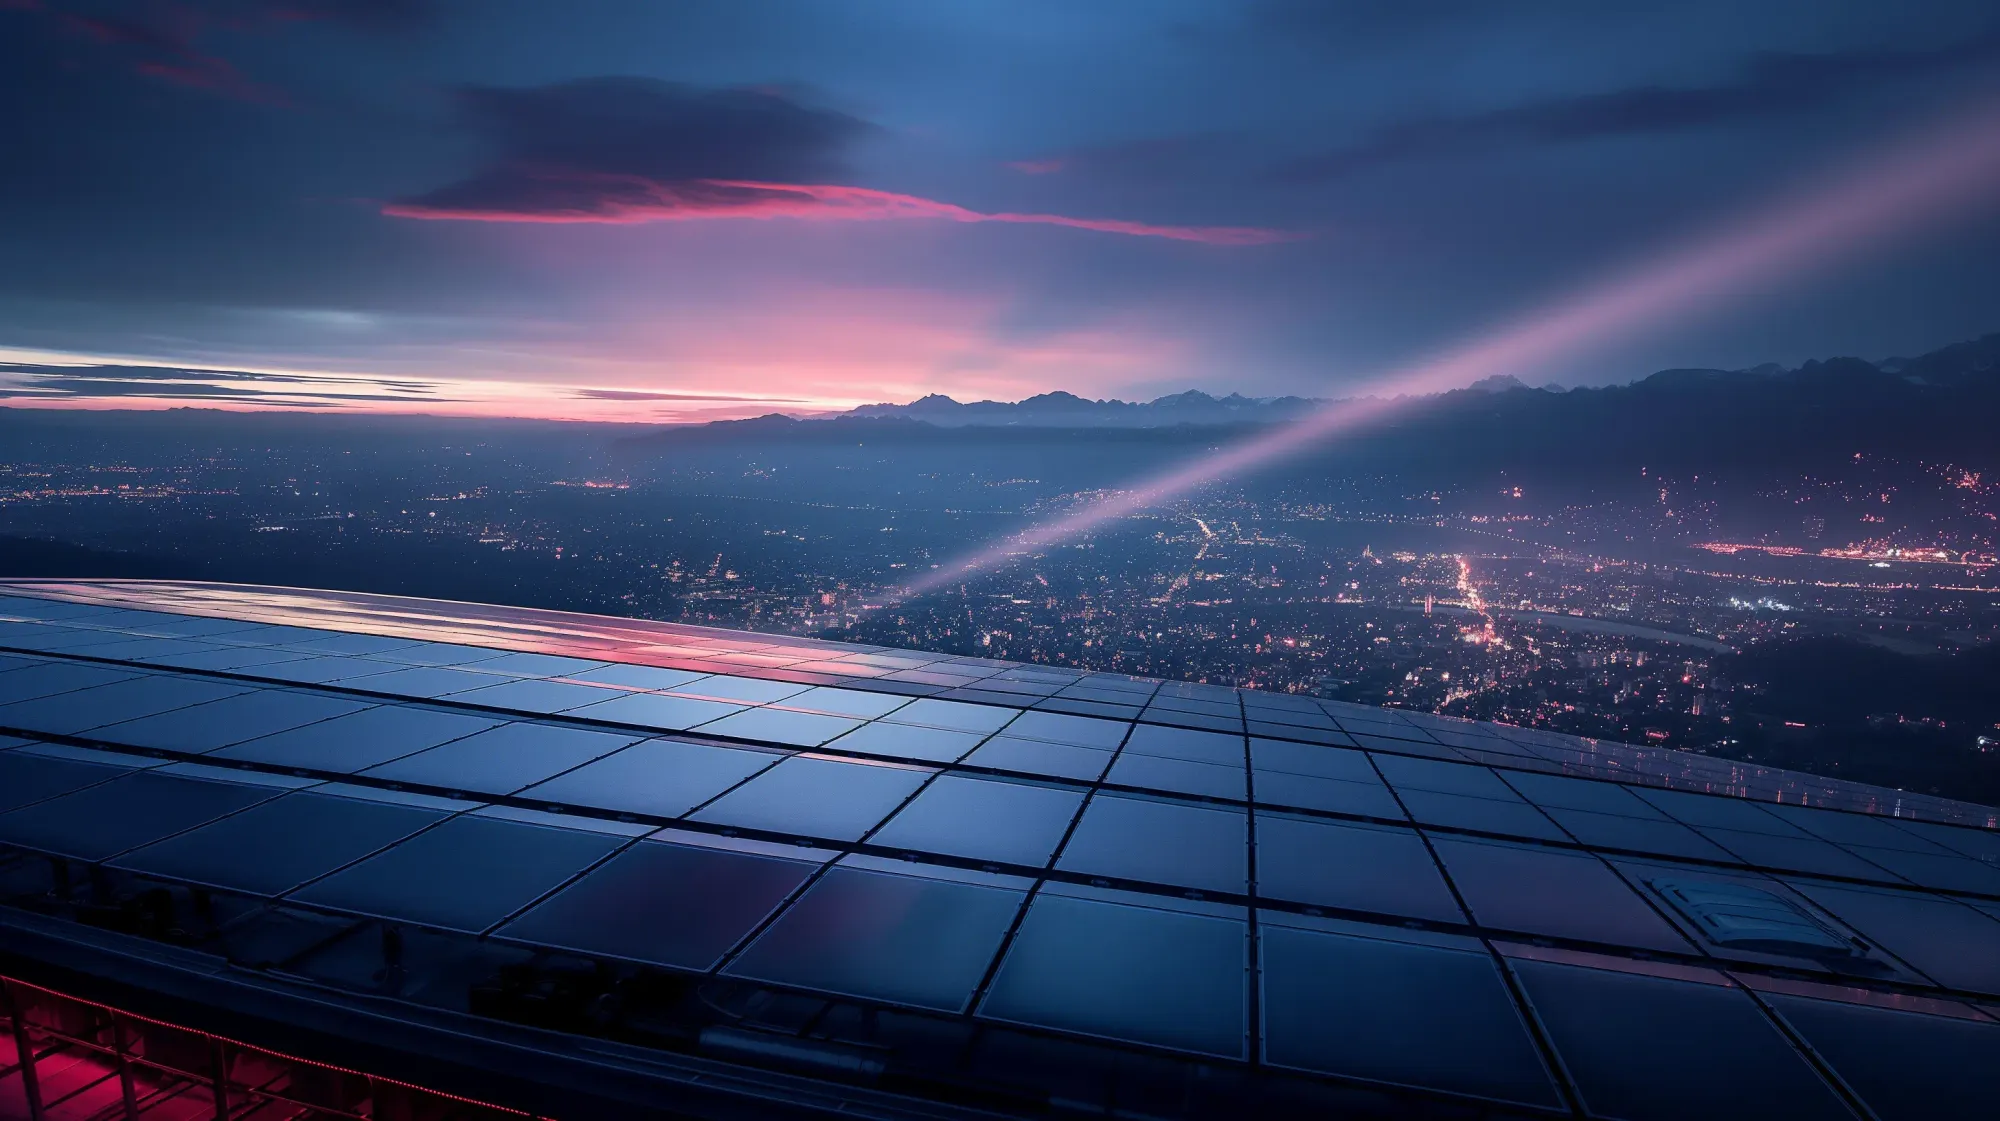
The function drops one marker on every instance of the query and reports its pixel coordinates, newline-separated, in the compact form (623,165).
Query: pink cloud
(629,199)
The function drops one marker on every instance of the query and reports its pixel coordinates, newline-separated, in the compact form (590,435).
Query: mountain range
(1936,407)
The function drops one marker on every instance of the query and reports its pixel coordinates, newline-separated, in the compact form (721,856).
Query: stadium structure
(272,853)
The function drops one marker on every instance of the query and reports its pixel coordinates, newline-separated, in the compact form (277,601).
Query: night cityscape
(1177,560)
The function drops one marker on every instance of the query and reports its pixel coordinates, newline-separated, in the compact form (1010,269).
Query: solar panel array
(1359,894)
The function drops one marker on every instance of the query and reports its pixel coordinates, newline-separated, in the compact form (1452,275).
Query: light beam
(1921,179)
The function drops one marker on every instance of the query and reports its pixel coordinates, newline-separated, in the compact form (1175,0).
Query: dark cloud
(105,380)
(627,150)
(1769,83)
(609,144)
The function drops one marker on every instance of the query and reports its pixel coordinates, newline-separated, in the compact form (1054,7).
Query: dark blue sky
(652,209)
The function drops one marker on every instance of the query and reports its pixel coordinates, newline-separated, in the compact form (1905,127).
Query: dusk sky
(649,210)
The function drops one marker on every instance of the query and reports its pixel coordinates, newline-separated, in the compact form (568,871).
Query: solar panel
(467,874)
(912,837)
(902,935)
(1730,1061)
(677,900)
(1395,1009)
(274,847)
(1129,968)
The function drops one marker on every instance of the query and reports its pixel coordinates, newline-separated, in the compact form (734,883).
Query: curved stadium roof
(732,874)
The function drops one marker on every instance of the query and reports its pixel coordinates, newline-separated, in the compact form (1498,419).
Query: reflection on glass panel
(230,720)
(1707,1050)
(1957,945)
(980,819)
(359,740)
(1905,1066)
(1035,757)
(1174,843)
(954,715)
(273,848)
(782,726)
(1180,776)
(1433,1016)
(1078,731)
(815,796)
(1351,866)
(905,741)
(1550,891)
(903,938)
(659,778)
(466,874)
(502,760)
(1170,978)
(678,905)
(98,822)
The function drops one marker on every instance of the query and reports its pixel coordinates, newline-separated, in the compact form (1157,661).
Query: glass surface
(26,778)
(854,703)
(1658,836)
(981,819)
(638,677)
(903,741)
(1552,892)
(425,681)
(1559,792)
(744,690)
(70,713)
(230,720)
(101,821)
(273,848)
(536,695)
(1077,731)
(502,760)
(651,710)
(907,939)
(1035,757)
(467,874)
(1652,1049)
(954,715)
(540,665)
(1413,1015)
(320,670)
(227,658)
(52,678)
(782,726)
(1368,799)
(814,796)
(1353,866)
(676,905)
(359,740)
(1186,743)
(1956,945)
(659,778)
(1172,843)
(1939,869)
(1164,977)
(1712,811)
(1180,776)
(1516,819)
(1407,774)
(1798,853)
(1312,759)
(1852,829)
(1906,1067)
